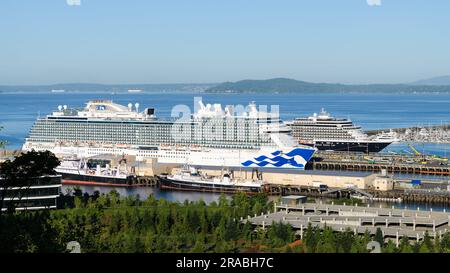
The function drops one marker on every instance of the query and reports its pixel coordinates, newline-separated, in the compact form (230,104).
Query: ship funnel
(136,105)
(60,108)
(65,107)
(130,106)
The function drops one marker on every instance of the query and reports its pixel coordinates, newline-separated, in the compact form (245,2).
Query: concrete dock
(394,223)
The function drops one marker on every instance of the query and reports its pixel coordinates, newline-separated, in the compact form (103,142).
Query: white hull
(176,155)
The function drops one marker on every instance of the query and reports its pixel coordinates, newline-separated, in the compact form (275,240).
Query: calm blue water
(181,196)
(373,111)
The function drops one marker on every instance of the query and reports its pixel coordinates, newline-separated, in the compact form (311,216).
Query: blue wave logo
(297,158)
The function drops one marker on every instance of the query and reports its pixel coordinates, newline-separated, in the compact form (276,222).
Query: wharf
(376,162)
(368,167)
(145,181)
(393,223)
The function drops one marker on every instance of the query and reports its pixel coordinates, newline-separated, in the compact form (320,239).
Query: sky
(193,41)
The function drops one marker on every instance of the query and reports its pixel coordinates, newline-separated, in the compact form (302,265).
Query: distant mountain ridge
(275,85)
(94,87)
(284,85)
(442,80)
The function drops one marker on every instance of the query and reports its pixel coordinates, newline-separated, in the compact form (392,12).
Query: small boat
(192,180)
(80,172)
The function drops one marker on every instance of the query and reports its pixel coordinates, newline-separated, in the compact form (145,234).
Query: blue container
(416,182)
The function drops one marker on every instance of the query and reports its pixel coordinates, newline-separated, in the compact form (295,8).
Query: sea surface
(18,111)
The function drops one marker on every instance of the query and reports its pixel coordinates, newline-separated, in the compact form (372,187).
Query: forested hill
(283,85)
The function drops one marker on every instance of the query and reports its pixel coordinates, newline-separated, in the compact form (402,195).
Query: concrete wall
(382,184)
(150,167)
(332,181)
(306,179)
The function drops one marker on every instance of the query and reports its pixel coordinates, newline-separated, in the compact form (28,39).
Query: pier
(393,223)
(393,163)
(377,167)
(146,181)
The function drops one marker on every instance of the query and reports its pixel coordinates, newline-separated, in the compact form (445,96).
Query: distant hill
(283,85)
(93,87)
(442,80)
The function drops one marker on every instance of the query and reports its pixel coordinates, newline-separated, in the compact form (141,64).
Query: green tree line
(108,223)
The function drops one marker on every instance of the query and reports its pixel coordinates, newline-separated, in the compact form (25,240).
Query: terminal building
(309,178)
(41,193)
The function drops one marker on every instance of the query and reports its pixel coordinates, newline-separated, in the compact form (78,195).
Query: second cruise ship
(326,132)
(211,136)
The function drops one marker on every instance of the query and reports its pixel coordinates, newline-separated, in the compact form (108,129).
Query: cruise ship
(211,136)
(326,132)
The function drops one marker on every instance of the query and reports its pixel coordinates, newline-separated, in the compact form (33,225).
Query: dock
(377,167)
(393,163)
(393,223)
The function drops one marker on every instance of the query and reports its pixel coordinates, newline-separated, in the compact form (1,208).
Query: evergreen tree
(390,247)
(310,238)
(379,237)
(405,246)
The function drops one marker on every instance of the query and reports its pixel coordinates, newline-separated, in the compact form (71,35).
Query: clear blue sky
(169,41)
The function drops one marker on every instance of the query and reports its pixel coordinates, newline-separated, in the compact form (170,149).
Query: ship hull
(81,179)
(364,147)
(171,184)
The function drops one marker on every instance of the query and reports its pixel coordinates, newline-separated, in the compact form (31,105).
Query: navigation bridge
(394,223)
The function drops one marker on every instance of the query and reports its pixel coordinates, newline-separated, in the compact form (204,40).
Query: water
(145,192)
(181,196)
(18,111)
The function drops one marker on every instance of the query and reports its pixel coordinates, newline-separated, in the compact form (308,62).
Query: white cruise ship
(326,132)
(210,137)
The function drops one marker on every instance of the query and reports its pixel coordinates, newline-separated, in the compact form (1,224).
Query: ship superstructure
(211,136)
(326,132)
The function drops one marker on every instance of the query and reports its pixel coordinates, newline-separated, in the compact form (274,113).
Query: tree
(2,142)
(310,238)
(445,243)
(405,246)
(19,173)
(327,241)
(379,237)
(426,246)
(390,247)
